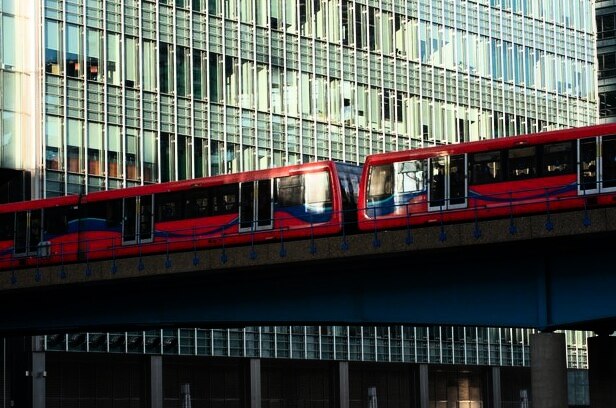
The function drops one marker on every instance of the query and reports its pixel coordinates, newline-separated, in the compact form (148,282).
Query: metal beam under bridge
(550,271)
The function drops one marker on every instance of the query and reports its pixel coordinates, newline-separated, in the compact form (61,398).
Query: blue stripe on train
(305,213)
(90,224)
(187,233)
(388,205)
(308,213)
(7,251)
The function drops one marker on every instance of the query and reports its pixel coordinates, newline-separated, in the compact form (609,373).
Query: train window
(169,206)
(485,167)
(225,199)
(7,222)
(95,210)
(558,159)
(317,188)
(55,221)
(21,232)
(289,191)
(410,176)
(198,204)
(104,211)
(608,162)
(113,213)
(35,229)
(457,179)
(380,182)
(522,163)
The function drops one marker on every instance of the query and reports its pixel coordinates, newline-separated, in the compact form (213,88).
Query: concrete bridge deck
(545,271)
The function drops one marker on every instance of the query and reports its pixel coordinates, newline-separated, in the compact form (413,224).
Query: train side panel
(551,171)
(180,216)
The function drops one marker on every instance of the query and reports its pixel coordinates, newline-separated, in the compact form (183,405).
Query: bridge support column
(496,387)
(548,370)
(424,396)
(602,371)
(255,383)
(38,373)
(343,381)
(156,381)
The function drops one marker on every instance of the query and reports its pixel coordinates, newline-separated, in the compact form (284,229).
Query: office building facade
(461,362)
(109,94)
(106,94)
(606,59)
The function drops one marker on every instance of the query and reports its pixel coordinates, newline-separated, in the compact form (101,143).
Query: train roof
(493,144)
(63,201)
(210,181)
(74,200)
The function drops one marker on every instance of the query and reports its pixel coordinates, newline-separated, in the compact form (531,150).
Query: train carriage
(290,202)
(550,171)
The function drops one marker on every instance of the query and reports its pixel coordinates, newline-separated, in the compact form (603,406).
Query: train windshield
(486,167)
(311,189)
(317,190)
(289,191)
(380,183)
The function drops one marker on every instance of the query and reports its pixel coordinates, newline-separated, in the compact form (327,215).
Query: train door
(138,220)
(588,175)
(27,232)
(597,165)
(447,182)
(256,208)
(607,177)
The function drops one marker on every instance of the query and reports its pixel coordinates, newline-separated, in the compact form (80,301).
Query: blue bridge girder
(549,271)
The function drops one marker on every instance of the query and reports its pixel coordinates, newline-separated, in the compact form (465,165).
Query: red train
(550,171)
(557,170)
(289,202)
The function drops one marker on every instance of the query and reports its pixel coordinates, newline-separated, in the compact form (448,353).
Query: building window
(606,26)
(132,154)
(95,148)
(184,157)
(8,41)
(167,157)
(199,74)
(215,77)
(149,66)
(52,47)
(94,55)
(150,154)
(607,104)
(132,62)
(607,65)
(54,143)
(73,51)
(113,56)
(74,149)
(114,165)
(183,74)
(165,66)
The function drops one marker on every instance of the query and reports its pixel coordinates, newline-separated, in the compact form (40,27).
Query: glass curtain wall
(429,345)
(606,58)
(212,87)
(18,131)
